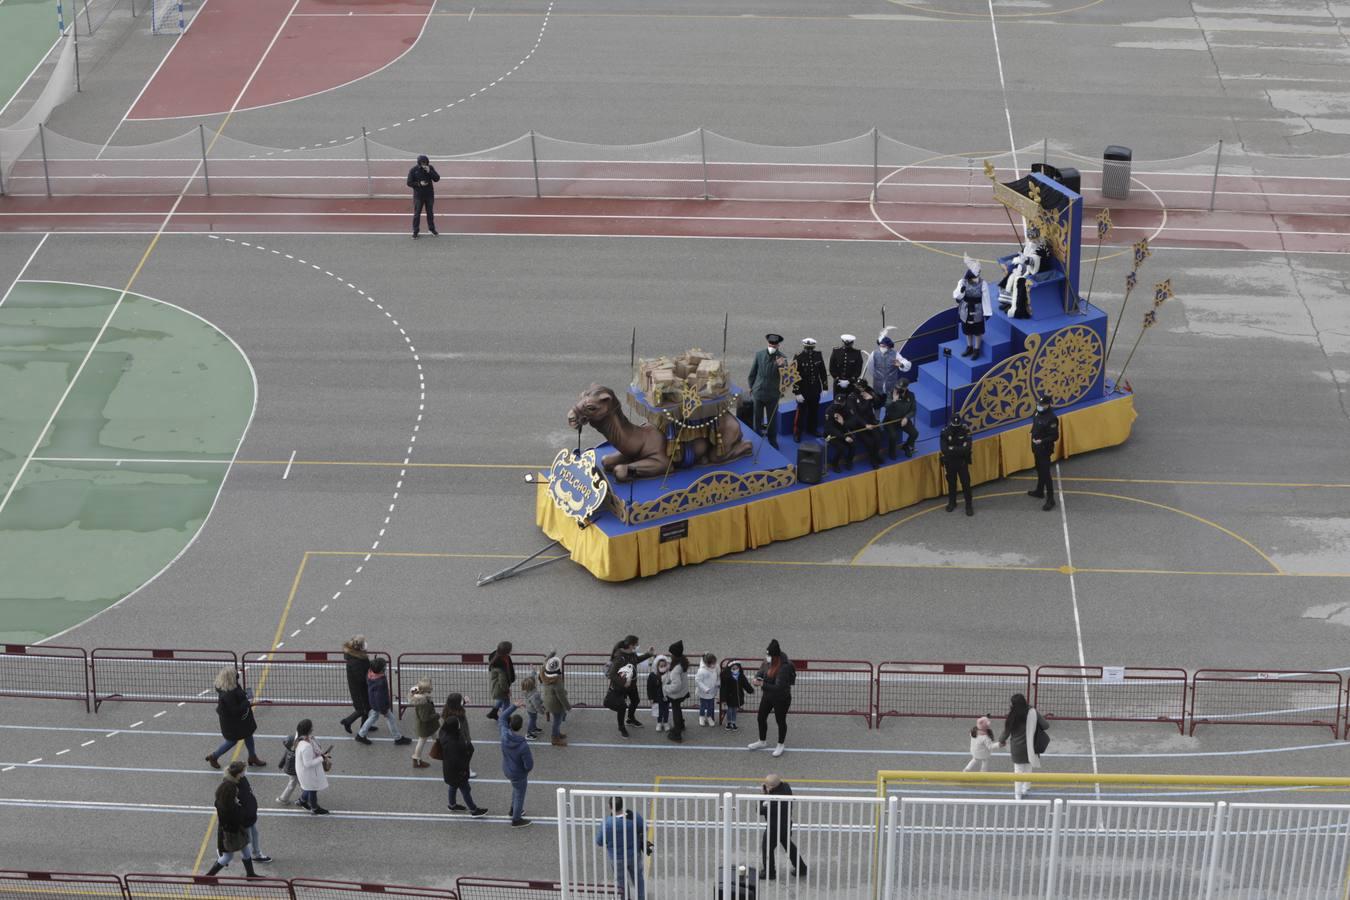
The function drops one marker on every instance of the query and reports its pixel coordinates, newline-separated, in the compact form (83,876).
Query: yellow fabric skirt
(837,502)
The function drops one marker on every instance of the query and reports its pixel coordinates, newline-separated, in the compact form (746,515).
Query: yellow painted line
(262,682)
(428,555)
(885,776)
(721,780)
(385,465)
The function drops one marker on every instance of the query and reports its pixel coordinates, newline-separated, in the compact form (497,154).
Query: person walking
(779,833)
(358,667)
(675,685)
(422,179)
(955,451)
(311,767)
(428,721)
(1024,733)
(623,835)
(982,745)
(775,679)
(1044,437)
(766,388)
(534,706)
(625,653)
(656,694)
(287,765)
(734,687)
(552,679)
(501,675)
(232,833)
(456,754)
(235,713)
(517,762)
(705,684)
(381,704)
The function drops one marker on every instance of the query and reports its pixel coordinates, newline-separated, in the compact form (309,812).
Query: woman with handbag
(455,749)
(232,834)
(311,766)
(1025,730)
(236,718)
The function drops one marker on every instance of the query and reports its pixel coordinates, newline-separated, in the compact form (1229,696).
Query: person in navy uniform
(1044,437)
(899,417)
(846,362)
(422,178)
(766,387)
(812,379)
(955,452)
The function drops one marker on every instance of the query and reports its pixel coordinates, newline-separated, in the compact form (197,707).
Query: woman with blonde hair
(236,718)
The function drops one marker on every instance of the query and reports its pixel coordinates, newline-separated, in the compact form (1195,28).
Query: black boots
(216,867)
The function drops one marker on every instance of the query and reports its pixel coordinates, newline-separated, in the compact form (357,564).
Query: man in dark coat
(1044,437)
(900,408)
(840,443)
(779,834)
(625,653)
(766,387)
(811,384)
(955,452)
(846,363)
(358,667)
(422,179)
(863,402)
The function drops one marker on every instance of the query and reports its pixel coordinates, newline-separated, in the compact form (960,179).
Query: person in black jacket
(456,753)
(812,379)
(846,363)
(248,814)
(863,402)
(732,689)
(779,834)
(422,178)
(625,653)
(1044,437)
(841,442)
(358,667)
(956,455)
(235,713)
(900,408)
(232,834)
(774,679)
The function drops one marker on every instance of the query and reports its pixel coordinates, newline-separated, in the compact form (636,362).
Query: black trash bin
(1116,172)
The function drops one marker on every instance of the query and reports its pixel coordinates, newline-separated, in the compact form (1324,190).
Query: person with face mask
(972,307)
(899,417)
(774,679)
(766,387)
(846,363)
(811,383)
(1044,437)
(884,366)
(422,179)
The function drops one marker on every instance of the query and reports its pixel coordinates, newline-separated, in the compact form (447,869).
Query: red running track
(820,220)
(242,54)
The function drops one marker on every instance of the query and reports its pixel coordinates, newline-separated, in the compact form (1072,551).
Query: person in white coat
(973,306)
(1015,288)
(311,766)
(982,745)
(706,684)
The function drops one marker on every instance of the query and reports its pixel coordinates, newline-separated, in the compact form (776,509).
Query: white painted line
(287,474)
(8,769)
(137,724)
(88,742)
(1007,113)
(1077,624)
(160,713)
(24,267)
(31,761)
(311,619)
(62,752)
(470,19)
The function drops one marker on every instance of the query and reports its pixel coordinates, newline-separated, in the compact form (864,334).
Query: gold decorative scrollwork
(1004,393)
(1067,364)
(788,379)
(708,490)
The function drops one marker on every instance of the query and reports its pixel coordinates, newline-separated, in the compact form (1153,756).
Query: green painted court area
(131,463)
(27,32)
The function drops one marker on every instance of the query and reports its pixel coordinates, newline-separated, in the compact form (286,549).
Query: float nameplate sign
(577,484)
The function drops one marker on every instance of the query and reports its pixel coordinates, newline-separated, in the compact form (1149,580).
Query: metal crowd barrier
(60,886)
(1130,694)
(302,677)
(204,887)
(1269,697)
(963,690)
(947,690)
(27,885)
(156,676)
(323,889)
(45,671)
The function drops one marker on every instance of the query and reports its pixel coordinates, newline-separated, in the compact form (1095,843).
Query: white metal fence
(697,845)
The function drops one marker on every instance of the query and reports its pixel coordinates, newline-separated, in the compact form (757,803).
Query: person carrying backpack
(1025,731)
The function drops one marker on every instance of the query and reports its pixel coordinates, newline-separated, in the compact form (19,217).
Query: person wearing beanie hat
(982,745)
(766,388)
(422,178)
(675,685)
(1044,437)
(812,379)
(232,827)
(555,696)
(846,363)
(775,678)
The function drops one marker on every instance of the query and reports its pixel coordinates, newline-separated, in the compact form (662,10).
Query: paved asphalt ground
(1241,392)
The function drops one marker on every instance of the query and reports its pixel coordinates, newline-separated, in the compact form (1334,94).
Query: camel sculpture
(641,450)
